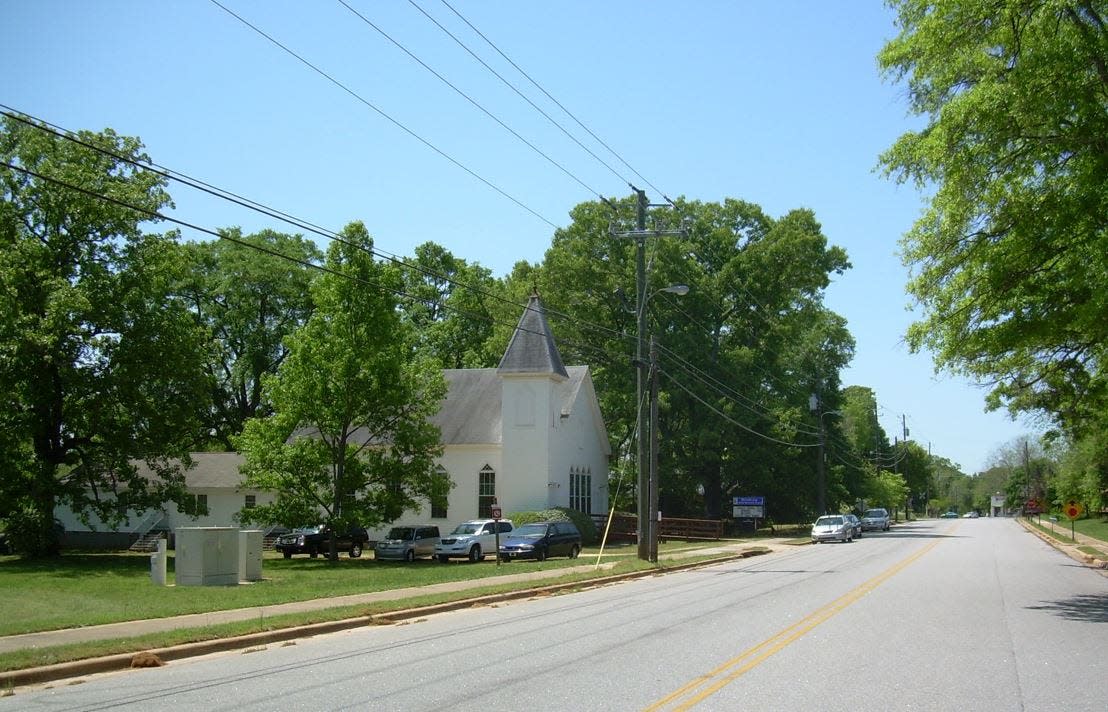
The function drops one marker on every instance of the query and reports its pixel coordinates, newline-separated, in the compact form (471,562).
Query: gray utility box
(207,556)
(250,555)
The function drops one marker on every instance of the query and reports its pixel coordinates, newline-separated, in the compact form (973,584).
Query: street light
(650,528)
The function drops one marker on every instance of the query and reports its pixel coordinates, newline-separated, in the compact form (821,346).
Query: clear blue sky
(776,102)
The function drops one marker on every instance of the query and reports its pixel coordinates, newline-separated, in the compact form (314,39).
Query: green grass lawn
(1096,527)
(82,589)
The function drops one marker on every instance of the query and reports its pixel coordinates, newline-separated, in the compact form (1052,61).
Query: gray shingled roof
(470,413)
(532,348)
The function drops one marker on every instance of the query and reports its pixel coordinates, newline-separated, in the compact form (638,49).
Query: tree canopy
(100,363)
(248,300)
(1010,257)
(739,354)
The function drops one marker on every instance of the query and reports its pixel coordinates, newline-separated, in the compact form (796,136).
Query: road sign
(496,512)
(1073,509)
(748,507)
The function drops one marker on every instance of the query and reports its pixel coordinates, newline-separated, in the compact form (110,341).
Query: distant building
(527,435)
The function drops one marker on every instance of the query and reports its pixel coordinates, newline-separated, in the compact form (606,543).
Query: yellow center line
(707,685)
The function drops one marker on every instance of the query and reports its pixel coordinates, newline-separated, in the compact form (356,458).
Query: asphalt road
(971,614)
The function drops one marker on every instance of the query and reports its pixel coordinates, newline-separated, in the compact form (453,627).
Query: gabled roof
(532,349)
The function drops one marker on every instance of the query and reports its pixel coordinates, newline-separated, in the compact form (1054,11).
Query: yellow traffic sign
(1073,509)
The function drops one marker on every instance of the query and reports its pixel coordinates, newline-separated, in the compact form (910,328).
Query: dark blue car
(540,540)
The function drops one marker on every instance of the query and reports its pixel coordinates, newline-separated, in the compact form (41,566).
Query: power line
(556,102)
(168,173)
(521,95)
(268,211)
(731,420)
(470,99)
(386,116)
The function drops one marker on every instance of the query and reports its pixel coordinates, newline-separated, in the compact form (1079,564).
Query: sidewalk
(158,625)
(1070,549)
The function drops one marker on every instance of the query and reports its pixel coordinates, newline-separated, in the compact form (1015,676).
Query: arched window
(440,501)
(486,491)
(580,489)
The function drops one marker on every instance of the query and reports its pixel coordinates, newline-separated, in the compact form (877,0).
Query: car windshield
(400,533)
(875,513)
(530,530)
(829,521)
(466,528)
(309,530)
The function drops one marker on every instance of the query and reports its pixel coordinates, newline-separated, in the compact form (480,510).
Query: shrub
(582,521)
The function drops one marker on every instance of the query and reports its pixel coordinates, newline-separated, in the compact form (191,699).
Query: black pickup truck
(315,540)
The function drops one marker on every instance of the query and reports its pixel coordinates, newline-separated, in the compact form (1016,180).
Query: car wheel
(540,554)
(288,554)
(313,553)
(443,558)
(409,555)
(355,551)
(505,559)
(475,554)
(574,551)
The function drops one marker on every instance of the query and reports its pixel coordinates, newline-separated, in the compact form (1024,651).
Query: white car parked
(472,539)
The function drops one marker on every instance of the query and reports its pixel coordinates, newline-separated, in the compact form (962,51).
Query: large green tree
(739,354)
(349,439)
(100,363)
(1010,257)
(249,300)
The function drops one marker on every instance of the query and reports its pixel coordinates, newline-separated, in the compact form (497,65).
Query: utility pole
(645,497)
(907,502)
(652,507)
(815,406)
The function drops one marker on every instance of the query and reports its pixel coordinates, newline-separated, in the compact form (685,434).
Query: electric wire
(156,215)
(556,102)
(731,420)
(470,99)
(520,94)
(263,209)
(383,114)
(606,356)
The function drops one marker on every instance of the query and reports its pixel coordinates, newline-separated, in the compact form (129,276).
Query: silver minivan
(407,543)
(472,539)
(875,520)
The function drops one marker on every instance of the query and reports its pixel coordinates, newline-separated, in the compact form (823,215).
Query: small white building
(527,435)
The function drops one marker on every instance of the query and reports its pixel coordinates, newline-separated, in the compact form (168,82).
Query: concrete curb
(122,661)
(1069,550)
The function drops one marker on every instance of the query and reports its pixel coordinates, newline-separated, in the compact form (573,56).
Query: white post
(157,564)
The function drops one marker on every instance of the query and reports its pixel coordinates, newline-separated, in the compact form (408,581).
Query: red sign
(496,512)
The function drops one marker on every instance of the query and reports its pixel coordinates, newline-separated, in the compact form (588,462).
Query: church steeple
(532,348)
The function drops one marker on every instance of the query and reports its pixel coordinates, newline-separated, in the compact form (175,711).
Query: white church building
(526,435)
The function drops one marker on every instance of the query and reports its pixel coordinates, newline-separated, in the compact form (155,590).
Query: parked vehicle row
(477,538)
(848,527)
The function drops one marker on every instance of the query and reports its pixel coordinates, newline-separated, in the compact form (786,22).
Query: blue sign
(749,501)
